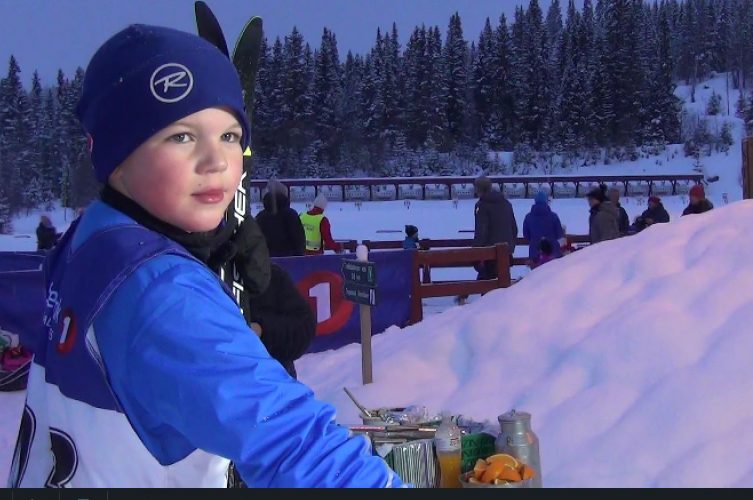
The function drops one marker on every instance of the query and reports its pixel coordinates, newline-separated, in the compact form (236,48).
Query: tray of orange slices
(498,471)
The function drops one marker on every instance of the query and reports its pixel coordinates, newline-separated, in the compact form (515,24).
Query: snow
(630,355)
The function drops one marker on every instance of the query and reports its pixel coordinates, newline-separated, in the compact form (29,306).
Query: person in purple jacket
(540,223)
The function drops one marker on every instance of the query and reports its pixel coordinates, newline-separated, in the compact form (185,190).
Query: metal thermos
(518,439)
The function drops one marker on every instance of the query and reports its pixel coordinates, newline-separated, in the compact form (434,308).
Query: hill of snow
(633,357)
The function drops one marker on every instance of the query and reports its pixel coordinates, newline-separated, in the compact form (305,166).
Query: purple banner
(317,277)
(21,295)
(319,280)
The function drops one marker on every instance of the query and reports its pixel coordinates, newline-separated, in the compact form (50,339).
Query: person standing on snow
(603,221)
(540,223)
(47,234)
(317,229)
(494,223)
(146,374)
(280,224)
(698,202)
(623,221)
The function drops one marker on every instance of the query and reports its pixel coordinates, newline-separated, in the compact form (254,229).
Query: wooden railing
(429,244)
(529,182)
(425,260)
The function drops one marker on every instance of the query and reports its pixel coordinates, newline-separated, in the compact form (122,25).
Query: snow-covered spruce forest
(582,86)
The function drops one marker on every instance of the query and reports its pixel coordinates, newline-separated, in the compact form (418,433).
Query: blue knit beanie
(541,198)
(143,79)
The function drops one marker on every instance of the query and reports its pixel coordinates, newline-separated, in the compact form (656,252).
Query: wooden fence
(530,184)
(454,253)
(425,260)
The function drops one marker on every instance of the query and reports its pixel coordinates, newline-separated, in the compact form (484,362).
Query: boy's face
(187,173)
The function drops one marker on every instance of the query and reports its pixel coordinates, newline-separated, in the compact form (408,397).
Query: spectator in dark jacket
(540,223)
(273,306)
(603,221)
(47,235)
(698,202)
(495,223)
(655,214)
(623,221)
(280,224)
(411,238)
(282,318)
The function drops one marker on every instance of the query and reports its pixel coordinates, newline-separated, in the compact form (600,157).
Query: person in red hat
(655,214)
(698,202)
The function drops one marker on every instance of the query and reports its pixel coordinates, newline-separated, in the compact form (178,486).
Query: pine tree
(688,42)
(16,126)
(572,120)
(519,73)
(327,96)
(455,84)
(536,103)
(84,186)
(63,146)
(554,29)
(417,90)
(482,84)
(502,116)
(391,87)
(296,104)
(36,194)
(262,113)
(50,159)
(741,106)
(353,74)
(373,106)
(437,88)
(588,69)
(714,105)
(663,125)
(723,34)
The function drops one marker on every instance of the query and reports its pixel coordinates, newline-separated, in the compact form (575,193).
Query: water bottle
(518,439)
(447,442)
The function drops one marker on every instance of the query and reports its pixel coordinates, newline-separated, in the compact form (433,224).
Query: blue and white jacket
(148,376)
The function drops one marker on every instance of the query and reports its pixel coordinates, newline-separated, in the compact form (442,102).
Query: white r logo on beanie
(171,82)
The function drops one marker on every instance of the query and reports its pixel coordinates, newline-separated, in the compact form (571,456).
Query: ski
(209,28)
(245,58)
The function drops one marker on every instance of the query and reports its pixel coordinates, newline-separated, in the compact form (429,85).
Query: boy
(146,374)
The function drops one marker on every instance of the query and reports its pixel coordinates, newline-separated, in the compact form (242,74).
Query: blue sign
(319,279)
(22,295)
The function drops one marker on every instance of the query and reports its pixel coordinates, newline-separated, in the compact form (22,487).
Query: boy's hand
(256,327)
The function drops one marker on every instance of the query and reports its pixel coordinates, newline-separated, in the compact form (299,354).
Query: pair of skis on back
(245,58)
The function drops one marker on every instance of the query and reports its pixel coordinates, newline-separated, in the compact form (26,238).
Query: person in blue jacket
(146,373)
(540,223)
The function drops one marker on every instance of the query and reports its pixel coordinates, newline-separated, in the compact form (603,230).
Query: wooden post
(366,363)
(362,254)
(503,266)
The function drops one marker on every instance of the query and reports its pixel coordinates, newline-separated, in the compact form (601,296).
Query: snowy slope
(633,356)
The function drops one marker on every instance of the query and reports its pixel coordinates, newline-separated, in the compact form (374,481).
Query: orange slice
(504,458)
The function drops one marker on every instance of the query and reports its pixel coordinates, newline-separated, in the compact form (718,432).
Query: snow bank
(632,355)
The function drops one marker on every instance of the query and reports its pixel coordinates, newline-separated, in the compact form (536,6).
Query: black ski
(245,58)
(209,28)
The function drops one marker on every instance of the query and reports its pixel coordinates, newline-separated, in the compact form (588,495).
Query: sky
(51,34)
